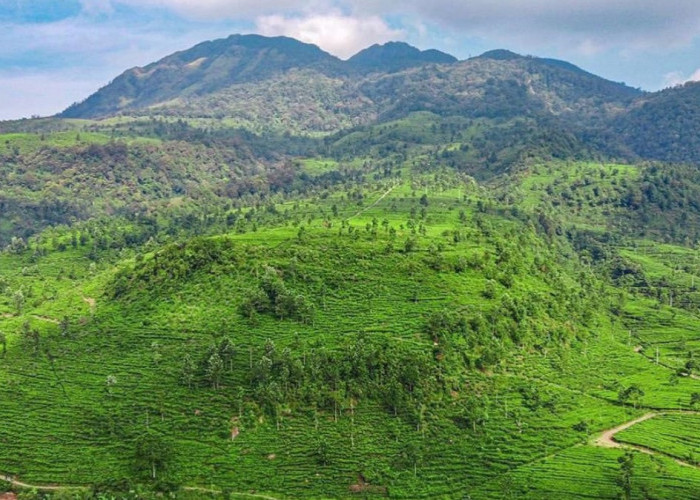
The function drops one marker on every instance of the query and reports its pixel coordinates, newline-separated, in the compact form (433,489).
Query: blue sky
(53,53)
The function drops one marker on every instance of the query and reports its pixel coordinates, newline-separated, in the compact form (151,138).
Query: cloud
(81,44)
(679,78)
(572,26)
(339,34)
(45,67)
(218,9)
(581,25)
(96,7)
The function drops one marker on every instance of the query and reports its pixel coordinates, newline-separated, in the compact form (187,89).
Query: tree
(410,245)
(18,299)
(32,336)
(227,351)
(3,341)
(321,451)
(215,369)
(110,382)
(694,397)
(624,479)
(17,245)
(633,394)
(152,453)
(188,371)
(64,326)
(411,455)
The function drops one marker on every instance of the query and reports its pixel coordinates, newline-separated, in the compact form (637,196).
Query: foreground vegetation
(429,282)
(417,337)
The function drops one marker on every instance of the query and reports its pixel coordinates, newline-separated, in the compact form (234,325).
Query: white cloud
(228,9)
(46,67)
(96,7)
(585,25)
(339,34)
(679,78)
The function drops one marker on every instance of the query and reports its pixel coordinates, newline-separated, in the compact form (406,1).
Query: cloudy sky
(55,52)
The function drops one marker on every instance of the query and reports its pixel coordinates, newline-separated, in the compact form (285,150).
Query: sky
(56,52)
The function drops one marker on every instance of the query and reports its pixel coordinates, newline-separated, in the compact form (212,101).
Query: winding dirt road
(43,487)
(607,438)
(48,488)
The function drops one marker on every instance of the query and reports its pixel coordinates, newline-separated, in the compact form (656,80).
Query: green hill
(395,56)
(662,125)
(203,69)
(446,280)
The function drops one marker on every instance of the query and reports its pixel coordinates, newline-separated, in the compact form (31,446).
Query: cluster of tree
(274,297)
(665,201)
(662,127)
(175,262)
(329,379)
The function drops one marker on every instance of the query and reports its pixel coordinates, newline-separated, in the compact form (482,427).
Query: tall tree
(215,369)
(152,453)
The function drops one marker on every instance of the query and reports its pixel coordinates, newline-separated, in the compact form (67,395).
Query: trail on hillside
(52,487)
(237,494)
(607,438)
(41,487)
(376,202)
(46,318)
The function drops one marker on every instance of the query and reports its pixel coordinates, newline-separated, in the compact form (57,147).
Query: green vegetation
(306,342)
(675,434)
(454,299)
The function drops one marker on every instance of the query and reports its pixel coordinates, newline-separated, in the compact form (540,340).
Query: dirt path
(235,494)
(46,487)
(606,439)
(46,318)
(90,301)
(41,487)
(384,195)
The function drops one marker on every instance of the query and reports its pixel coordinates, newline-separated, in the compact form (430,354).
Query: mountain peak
(500,55)
(395,56)
(204,68)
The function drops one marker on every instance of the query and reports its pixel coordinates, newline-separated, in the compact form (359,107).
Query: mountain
(663,125)
(395,56)
(202,70)
(280,85)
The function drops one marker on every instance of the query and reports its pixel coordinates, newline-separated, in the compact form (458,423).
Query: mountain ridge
(395,56)
(244,77)
(206,67)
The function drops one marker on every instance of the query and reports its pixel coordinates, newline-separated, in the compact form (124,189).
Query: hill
(277,83)
(203,69)
(661,126)
(395,56)
(408,337)
(297,278)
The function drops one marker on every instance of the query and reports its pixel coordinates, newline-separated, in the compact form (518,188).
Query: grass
(554,383)
(673,434)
